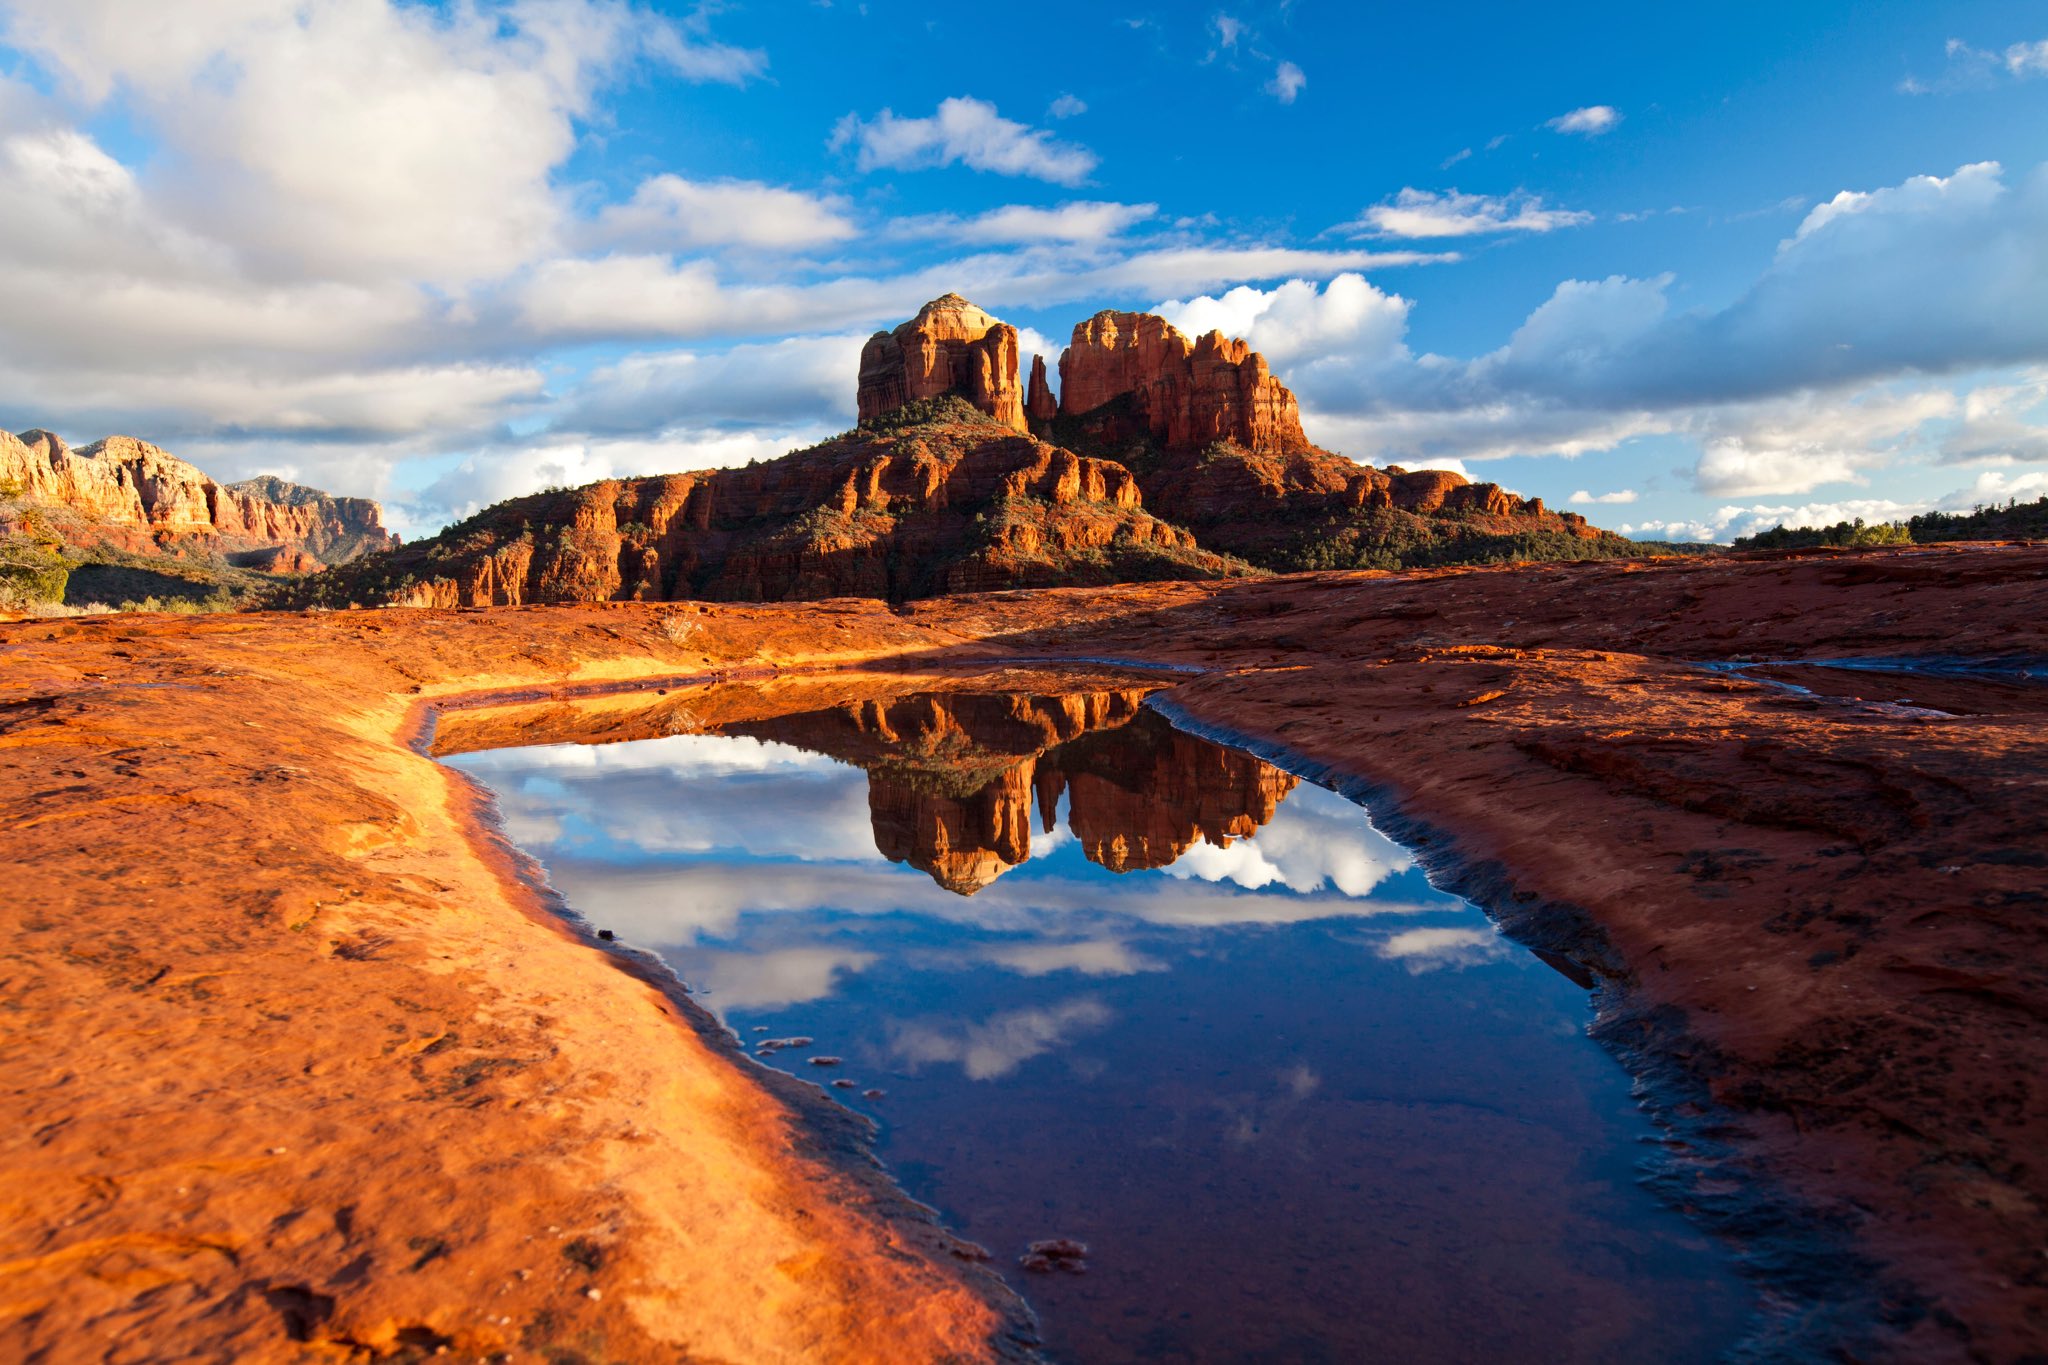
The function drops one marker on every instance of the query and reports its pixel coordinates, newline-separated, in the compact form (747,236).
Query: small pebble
(872,1094)
(844,1084)
(593,1293)
(826,1061)
(1056,1253)
(760,1028)
(605,934)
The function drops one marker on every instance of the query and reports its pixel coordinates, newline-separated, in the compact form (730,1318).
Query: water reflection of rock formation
(957,780)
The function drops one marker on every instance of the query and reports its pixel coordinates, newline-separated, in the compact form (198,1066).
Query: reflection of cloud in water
(1247,1118)
(1300,1080)
(685,794)
(679,903)
(1001,1043)
(1090,957)
(1316,839)
(704,793)
(1059,836)
(1429,950)
(777,977)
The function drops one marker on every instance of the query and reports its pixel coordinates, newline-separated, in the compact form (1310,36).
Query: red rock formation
(946,505)
(913,513)
(949,347)
(134,494)
(1039,405)
(1183,394)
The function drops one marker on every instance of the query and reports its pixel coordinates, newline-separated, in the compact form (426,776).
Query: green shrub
(948,409)
(31,573)
(2014,521)
(1842,533)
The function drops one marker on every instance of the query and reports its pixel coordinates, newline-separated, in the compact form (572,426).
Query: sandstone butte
(136,497)
(949,347)
(302,1064)
(1162,458)
(1185,395)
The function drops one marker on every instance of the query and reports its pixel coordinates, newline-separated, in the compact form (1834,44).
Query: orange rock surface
(298,1062)
(1184,394)
(1040,406)
(949,347)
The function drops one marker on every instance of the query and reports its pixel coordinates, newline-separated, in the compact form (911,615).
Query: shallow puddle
(1100,980)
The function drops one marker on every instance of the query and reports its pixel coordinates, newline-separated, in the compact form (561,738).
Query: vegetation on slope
(2014,521)
(51,561)
(1387,538)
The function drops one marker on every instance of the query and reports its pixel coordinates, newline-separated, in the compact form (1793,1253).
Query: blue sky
(1706,268)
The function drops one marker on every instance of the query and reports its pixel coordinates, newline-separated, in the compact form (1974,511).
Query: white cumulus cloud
(964,131)
(669,213)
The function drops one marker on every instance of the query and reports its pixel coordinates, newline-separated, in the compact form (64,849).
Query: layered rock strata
(1039,405)
(140,497)
(951,346)
(1183,394)
(960,507)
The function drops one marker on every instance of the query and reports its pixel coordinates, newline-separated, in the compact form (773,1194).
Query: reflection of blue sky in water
(1290,1092)
(759,859)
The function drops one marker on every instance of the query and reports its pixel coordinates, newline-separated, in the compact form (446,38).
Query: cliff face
(138,497)
(957,780)
(1183,394)
(949,347)
(956,504)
